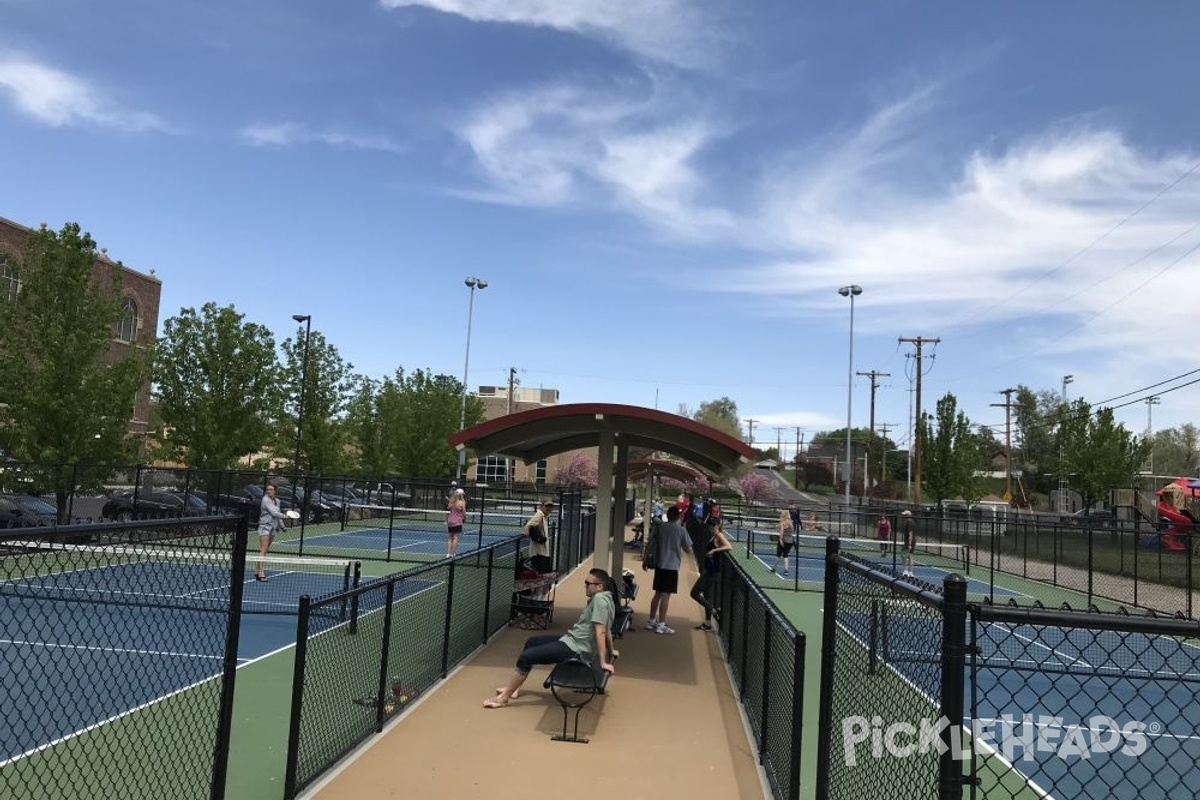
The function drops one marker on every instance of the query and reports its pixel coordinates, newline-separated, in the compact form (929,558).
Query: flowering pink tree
(755,486)
(578,473)
(677,487)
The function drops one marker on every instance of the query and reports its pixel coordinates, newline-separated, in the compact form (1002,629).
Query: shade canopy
(542,432)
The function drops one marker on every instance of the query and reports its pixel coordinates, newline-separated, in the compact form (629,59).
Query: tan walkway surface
(670,725)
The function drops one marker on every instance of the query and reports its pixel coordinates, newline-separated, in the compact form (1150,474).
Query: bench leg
(574,737)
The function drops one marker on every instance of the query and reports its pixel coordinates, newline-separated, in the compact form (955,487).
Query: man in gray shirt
(673,542)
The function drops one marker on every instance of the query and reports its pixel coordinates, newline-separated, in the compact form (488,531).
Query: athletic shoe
(662,628)
(652,624)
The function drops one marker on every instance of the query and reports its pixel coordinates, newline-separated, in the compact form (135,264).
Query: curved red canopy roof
(542,432)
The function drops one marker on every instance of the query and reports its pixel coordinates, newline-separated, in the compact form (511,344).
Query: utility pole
(1151,402)
(873,375)
(919,342)
(1007,404)
(799,445)
(885,427)
(750,422)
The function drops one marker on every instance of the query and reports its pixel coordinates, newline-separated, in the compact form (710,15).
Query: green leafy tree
(399,426)
(1176,451)
(1099,454)
(721,414)
(217,382)
(317,368)
(65,399)
(952,453)
(1036,418)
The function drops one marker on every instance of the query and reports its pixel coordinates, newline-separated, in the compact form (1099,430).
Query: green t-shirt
(581,637)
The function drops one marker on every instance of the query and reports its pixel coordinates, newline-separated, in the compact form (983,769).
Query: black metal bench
(574,683)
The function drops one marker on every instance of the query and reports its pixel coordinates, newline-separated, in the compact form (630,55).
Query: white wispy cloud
(287,134)
(671,31)
(565,144)
(59,99)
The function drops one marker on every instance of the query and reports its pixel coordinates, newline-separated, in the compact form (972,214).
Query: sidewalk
(670,725)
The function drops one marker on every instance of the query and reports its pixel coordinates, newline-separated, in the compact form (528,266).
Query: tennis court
(102,646)
(932,561)
(404,534)
(140,626)
(1054,710)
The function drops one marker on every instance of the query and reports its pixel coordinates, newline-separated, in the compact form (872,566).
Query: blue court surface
(71,666)
(379,542)
(808,566)
(1075,712)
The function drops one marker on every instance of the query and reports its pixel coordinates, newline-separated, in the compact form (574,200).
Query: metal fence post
(237,580)
(828,661)
(954,648)
(797,712)
(293,741)
(381,695)
(487,594)
(449,620)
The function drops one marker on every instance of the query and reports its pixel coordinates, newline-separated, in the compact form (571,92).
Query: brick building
(140,294)
(497,403)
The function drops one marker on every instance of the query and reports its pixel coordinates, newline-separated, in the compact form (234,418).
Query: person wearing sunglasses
(590,639)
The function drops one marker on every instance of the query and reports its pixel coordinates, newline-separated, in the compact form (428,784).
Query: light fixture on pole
(852,291)
(307,320)
(472,284)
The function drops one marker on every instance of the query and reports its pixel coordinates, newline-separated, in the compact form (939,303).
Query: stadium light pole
(307,320)
(472,284)
(852,291)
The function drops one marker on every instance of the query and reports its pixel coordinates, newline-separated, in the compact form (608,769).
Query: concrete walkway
(670,725)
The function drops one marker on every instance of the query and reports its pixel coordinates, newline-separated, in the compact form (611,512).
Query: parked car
(26,511)
(151,503)
(1092,518)
(315,506)
(385,494)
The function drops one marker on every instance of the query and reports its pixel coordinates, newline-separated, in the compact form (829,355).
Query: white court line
(101,723)
(292,645)
(99,649)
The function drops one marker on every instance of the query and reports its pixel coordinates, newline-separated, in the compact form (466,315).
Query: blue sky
(664,196)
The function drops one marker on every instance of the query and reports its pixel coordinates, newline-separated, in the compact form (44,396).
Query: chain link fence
(118,656)
(765,654)
(870,709)
(405,633)
(1075,704)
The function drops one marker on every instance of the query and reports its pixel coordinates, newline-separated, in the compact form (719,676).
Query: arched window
(127,326)
(10,281)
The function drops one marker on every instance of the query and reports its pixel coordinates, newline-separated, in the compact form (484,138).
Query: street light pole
(307,320)
(852,291)
(472,283)
(1062,476)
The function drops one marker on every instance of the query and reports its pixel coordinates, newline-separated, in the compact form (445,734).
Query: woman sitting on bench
(590,639)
